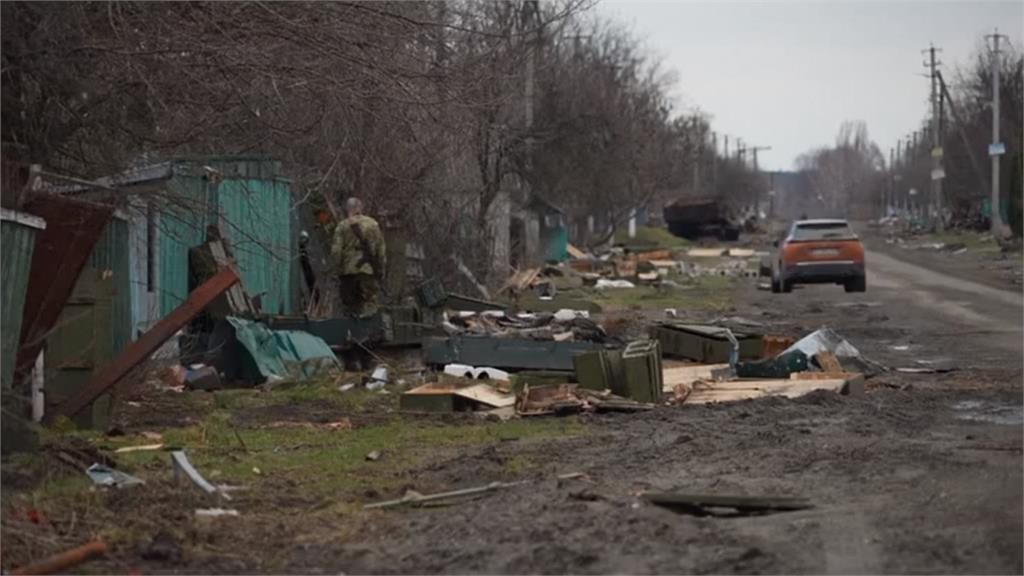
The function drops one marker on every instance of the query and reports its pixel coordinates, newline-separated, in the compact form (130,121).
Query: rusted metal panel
(61,250)
(142,348)
(17,236)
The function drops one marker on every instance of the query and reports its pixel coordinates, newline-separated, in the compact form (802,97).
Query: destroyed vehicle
(819,252)
(696,218)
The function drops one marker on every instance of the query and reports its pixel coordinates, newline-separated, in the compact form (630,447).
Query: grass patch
(657,238)
(706,293)
(974,241)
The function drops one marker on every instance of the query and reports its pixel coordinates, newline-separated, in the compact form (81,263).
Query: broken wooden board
(574,252)
(653,255)
(828,362)
(854,380)
(448,397)
(487,395)
(664,263)
(711,392)
(674,375)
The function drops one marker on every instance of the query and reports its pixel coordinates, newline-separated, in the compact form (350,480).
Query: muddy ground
(921,474)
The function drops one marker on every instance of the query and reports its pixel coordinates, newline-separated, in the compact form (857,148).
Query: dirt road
(977,308)
(922,474)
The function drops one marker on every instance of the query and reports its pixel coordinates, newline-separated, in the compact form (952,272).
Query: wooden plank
(673,376)
(828,362)
(238,299)
(486,394)
(575,252)
(653,255)
(148,343)
(822,375)
(710,392)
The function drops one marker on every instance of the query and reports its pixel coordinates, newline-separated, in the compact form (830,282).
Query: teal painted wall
(256,220)
(18,241)
(182,224)
(252,208)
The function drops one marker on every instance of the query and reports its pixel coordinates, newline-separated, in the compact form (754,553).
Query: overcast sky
(786,74)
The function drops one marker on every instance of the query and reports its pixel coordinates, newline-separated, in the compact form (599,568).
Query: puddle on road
(989,412)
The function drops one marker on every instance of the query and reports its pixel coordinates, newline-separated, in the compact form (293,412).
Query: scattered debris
(451,397)
(900,348)
(414,498)
(604,283)
(181,465)
(215,512)
(712,505)
(373,456)
(102,475)
(826,340)
(140,448)
(64,561)
(202,377)
(705,392)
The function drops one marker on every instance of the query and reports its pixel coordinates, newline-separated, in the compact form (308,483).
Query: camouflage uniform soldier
(359,254)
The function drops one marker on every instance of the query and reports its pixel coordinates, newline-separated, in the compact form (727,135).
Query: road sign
(938,174)
(937,152)
(997,149)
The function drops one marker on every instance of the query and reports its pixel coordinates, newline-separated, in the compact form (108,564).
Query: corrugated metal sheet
(256,220)
(18,241)
(111,253)
(253,209)
(182,225)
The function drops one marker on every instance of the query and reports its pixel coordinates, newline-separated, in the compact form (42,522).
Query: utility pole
(888,202)
(937,173)
(898,176)
(714,163)
(698,144)
(757,178)
(996,149)
(725,137)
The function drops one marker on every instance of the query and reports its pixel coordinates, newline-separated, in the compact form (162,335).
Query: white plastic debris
(380,373)
(215,512)
(485,373)
(459,370)
(346,387)
(565,314)
(605,283)
(106,476)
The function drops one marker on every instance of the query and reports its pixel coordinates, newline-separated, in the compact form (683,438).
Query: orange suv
(819,252)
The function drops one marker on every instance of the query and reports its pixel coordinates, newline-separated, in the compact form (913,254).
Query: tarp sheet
(283,354)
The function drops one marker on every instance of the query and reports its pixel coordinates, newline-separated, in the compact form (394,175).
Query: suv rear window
(823,231)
